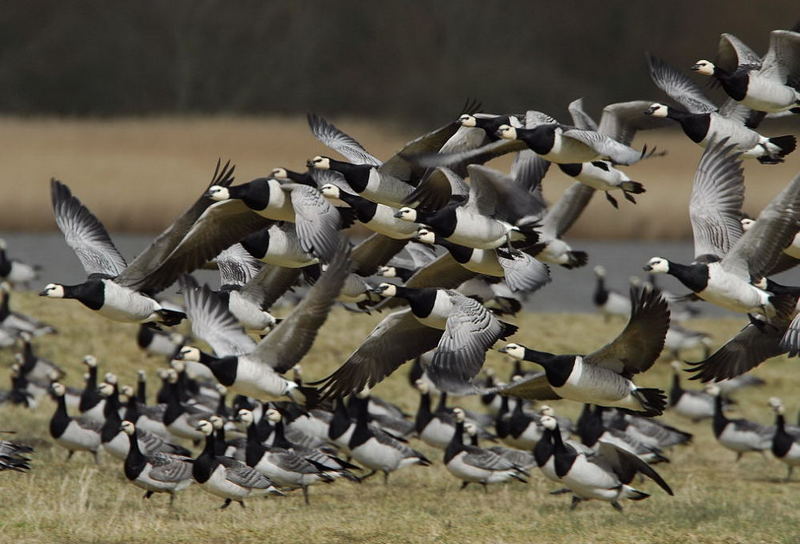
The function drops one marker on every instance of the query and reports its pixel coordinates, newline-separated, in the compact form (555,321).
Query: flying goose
(154,471)
(376,217)
(461,329)
(522,272)
(604,475)
(703,123)
(766,85)
(695,405)
(15,271)
(725,259)
(738,435)
(791,253)
(74,434)
(254,369)
(604,376)
(785,445)
(472,464)
(226,477)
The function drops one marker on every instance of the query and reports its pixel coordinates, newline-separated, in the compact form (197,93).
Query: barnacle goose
(74,434)
(738,435)
(785,444)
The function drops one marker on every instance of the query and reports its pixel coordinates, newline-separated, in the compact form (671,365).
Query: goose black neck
(90,397)
(254,450)
(255,194)
(421,300)
(206,462)
(132,410)
(60,420)
(540,139)
(593,427)
(782,441)
(600,292)
(676,391)
(543,449)
(365,209)
(356,175)
(280,440)
(461,254)
(501,422)
(564,455)
(219,444)
(720,421)
(341,421)
(693,276)
(456,444)
(424,414)
(135,461)
(223,368)
(304,178)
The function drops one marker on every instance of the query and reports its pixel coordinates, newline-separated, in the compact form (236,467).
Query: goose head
(205,427)
(547,410)
(657,110)
(747,223)
(127,427)
(216,421)
(330,190)
(704,67)
(385,290)
(657,265)
(548,422)
(459,414)
(126,391)
(221,389)
(422,386)
(712,389)
(105,389)
(425,235)
(279,173)
(516,351)
(470,428)
(468,120)
(386,272)
(90,361)
(273,415)
(319,162)
(506,132)
(218,193)
(52,290)
(407,214)
(245,416)
(776,404)
(188,353)
(58,389)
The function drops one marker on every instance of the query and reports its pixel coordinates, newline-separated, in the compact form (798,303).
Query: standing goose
(434,427)
(523,459)
(16,322)
(460,328)
(694,405)
(74,434)
(725,259)
(473,464)
(604,376)
(254,369)
(92,404)
(179,418)
(522,272)
(609,302)
(595,429)
(785,446)
(14,271)
(738,435)
(226,477)
(768,85)
(605,475)
(378,450)
(704,124)
(155,472)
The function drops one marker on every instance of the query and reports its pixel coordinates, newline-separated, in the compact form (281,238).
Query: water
(570,290)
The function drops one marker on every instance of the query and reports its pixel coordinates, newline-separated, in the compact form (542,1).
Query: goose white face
(172,376)
(105,389)
(205,427)
(90,361)
(657,110)
(5,287)
(675,365)
(467,120)
(514,350)
(471,429)
(459,414)
(15,370)
(422,386)
(547,410)
(600,270)
(548,422)
(425,236)
(386,290)
(19,358)
(178,364)
(704,67)
(712,389)
(126,390)
(216,422)
(320,163)
(176,338)
(761,283)
(507,132)
(111,378)
(747,224)
(218,193)
(189,353)
(280,173)
(386,272)
(221,389)
(53,375)
(776,404)
(330,190)
(23,335)
(407,214)
(52,290)
(140,375)
(273,415)
(657,265)
(297,371)
(2,244)
(245,416)
(128,427)
(58,389)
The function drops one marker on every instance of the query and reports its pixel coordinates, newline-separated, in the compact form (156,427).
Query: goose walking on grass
(738,435)
(610,303)
(74,434)
(15,271)
(605,475)
(154,471)
(472,464)
(785,445)
(604,376)
(226,477)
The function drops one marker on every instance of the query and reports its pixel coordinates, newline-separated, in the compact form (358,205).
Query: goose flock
(452,249)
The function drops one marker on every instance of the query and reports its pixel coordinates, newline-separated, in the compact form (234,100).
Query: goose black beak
(309,164)
(650,110)
(398,215)
(647,268)
(694,67)
(43,293)
(502,350)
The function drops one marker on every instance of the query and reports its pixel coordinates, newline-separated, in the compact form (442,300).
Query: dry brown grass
(138,174)
(716,500)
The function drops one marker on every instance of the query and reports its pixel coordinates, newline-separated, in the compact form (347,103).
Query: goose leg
(171,499)
(617,506)
(305,494)
(70,454)
(241,503)
(612,200)
(148,495)
(739,456)
(789,474)
(96,455)
(485,487)
(465,484)
(575,502)
(226,504)
(629,197)
(385,478)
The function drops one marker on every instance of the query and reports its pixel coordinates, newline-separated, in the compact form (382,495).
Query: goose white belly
(183,429)
(766,94)
(156,427)
(377,456)
(76,437)
(568,150)
(282,477)
(555,252)
(694,407)
(597,385)
(386,190)
(437,434)
(792,456)
(123,304)
(220,486)
(279,206)
(733,293)
(794,249)
(95,413)
(284,250)
(384,222)
(469,473)
(146,482)
(248,313)
(310,426)
(549,469)
(589,481)
(257,380)
(484,261)
(602,180)
(118,446)
(743,441)
(478,231)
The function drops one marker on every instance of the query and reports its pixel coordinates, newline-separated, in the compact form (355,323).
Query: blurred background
(131,103)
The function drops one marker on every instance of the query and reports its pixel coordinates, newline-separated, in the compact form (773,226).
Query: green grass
(716,500)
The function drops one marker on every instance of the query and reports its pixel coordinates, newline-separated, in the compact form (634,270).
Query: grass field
(137,174)
(716,500)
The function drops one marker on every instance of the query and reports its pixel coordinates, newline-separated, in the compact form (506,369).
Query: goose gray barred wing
(563,214)
(580,118)
(715,207)
(534,387)
(170,468)
(339,141)
(626,465)
(240,474)
(270,284)
(622,120)
(523,272)
(85,234)
(732,53)
(487,459)
(317,221)
(214,324)
(605,146)
(236,265)
(678,86)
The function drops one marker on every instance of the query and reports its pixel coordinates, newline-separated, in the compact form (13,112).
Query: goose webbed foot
(628,197)
(612,200)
